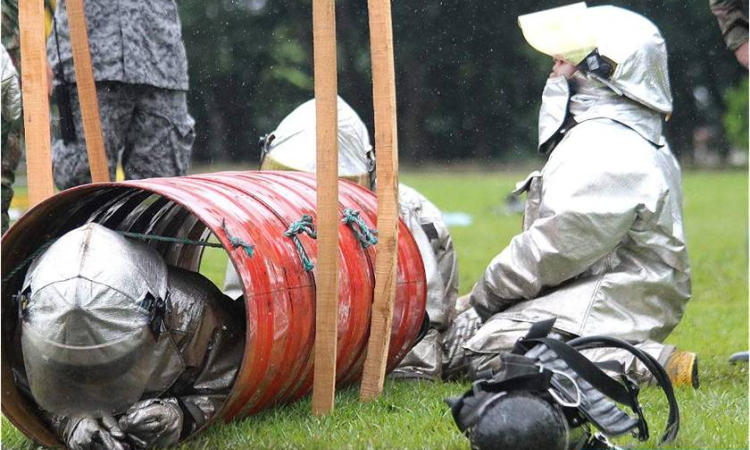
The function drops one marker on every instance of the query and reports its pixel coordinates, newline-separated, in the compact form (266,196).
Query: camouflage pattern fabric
(732,17)
(131,41)
(147,127)
(10,36)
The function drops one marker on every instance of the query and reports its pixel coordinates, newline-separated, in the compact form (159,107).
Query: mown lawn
(413,416)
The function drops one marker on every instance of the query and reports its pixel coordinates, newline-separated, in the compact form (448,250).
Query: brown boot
(682,368)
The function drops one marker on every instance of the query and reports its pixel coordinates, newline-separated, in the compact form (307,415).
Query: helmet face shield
(620,48)
(95,380)
(562,33)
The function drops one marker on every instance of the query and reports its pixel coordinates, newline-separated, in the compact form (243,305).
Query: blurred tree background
(468,86)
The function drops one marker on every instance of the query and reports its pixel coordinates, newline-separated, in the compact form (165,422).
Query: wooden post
(34,84)
(326,279)
(92,126)
(384,101)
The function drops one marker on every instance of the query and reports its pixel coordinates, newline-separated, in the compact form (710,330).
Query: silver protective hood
(292,145)
(631,42)
(86,337)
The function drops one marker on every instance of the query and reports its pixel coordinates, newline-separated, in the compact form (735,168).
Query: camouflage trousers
(473,347)
(148,129)
(11,155)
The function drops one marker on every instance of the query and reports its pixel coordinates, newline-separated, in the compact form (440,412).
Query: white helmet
(620,48)
(292,145)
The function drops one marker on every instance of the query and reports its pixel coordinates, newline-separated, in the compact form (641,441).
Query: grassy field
(413,416)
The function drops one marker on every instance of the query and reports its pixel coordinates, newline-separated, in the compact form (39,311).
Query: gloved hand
(11,91)
(155,422)
(90,434)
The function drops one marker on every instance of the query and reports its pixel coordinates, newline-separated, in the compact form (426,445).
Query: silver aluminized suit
(603,247)
(292,147)
(425,221)
(190,366)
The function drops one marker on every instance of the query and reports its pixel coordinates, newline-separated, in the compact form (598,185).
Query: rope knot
(304,225)
(237,242)
(367,236)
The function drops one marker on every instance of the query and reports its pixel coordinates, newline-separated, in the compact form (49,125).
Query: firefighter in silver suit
(292,147)
(120,350)
(603,248)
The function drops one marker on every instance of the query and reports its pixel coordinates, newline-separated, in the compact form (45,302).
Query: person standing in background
(732,17)
(140,69)
(734,27)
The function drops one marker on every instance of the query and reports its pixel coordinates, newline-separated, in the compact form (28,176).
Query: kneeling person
(121,350)
(603,247)
(292,147)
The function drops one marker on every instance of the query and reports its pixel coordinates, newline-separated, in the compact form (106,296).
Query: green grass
(413,416)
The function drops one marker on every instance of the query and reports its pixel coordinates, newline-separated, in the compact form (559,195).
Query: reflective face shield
(562,33)
(621,49)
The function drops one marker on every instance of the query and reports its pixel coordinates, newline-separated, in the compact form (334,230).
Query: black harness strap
(660,375)
(588,371)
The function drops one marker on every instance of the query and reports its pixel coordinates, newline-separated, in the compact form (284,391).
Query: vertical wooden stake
(384,100)
(35,100)
(92,126)
(326,279)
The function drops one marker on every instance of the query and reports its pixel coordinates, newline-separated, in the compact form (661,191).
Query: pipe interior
(119,208)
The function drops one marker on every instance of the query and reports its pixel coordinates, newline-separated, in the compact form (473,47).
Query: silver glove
(91,434)
(11,91)
(153,423)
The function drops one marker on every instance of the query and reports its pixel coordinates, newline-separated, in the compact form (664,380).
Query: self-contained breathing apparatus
(548,395)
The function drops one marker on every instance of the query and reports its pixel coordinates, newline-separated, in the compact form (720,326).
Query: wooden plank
(326,279)
(386,141)
(34,84)
(92,126)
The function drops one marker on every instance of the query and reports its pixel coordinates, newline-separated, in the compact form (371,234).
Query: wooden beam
(34,84)
(386,141)
(326,279)
(92,126)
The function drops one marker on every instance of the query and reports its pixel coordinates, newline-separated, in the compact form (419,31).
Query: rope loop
(367,236)
(304,225)
(237,242)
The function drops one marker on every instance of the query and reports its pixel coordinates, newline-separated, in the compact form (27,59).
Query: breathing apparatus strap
(656,369)
(625,393)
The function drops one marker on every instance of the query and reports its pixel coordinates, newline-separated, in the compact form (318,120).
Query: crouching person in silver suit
(603,248)
(120,350)
(292,147)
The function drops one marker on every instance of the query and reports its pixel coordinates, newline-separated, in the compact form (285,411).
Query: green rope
(367,236)
(171,240)
(237,242)
(28,260)
(129,234)
(298,227)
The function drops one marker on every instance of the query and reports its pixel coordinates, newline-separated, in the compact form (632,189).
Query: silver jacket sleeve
(212,353)
(11,91)
(425,221)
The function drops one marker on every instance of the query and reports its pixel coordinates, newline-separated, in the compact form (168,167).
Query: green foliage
(413,415)
(468,85)
(736,116)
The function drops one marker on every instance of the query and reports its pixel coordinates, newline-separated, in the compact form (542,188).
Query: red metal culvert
(256,207)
